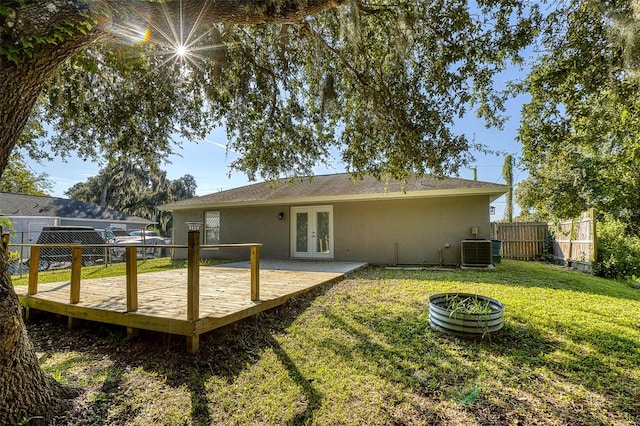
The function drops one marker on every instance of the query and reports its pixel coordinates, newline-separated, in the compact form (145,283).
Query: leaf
(471,397)
(26,44)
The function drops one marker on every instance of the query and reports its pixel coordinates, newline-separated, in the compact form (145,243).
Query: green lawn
(362,352)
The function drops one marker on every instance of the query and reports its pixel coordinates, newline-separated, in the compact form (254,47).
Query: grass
(362,352)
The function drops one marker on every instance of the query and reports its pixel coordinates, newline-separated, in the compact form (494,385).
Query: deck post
(132,278)
(34,264)
(76,270)
(193,343)
(131,267)
(255,272)
(193,275)
(32,286)
(193,282)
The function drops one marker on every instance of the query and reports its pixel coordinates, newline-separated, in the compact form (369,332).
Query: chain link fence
(54,257)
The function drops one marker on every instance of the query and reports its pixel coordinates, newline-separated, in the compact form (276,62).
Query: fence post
(255,273)
(571,234)
(594,239)
(193,281)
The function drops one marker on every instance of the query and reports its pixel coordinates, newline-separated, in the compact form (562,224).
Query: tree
(382,81)
(382,84)
(507,173)
(18,178)
(580,129)
(134,190)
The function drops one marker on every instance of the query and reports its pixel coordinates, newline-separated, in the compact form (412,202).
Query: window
(212,228)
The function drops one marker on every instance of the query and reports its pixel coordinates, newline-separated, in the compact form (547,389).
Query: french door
(312,232)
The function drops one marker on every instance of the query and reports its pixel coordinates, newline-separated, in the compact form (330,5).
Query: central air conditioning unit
(476,253)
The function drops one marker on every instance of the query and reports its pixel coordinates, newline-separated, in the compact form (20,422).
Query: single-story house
(30,213)
(422,221)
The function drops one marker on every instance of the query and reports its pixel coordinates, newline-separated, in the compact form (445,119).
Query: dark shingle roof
(338,187)
(36,205)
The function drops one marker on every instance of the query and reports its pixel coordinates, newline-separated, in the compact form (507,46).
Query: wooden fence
(575,241)
(522,240)
(572,242)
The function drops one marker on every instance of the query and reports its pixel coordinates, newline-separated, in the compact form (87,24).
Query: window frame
(205,235)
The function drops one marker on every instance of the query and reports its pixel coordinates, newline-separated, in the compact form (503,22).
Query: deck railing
(131,266)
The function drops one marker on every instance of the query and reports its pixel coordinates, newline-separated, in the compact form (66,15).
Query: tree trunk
(507,173)
(28,394)
(106,185)
(23,77)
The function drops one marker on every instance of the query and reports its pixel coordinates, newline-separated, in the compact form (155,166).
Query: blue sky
(208,160)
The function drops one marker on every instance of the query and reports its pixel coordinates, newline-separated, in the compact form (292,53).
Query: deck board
(225,295)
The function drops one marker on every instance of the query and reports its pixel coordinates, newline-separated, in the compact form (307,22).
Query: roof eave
(492,192)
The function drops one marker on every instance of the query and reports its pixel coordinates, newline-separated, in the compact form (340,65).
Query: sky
(208,162)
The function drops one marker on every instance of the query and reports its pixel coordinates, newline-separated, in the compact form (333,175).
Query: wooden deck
(224,296)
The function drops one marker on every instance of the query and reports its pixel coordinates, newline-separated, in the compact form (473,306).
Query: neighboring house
(30,213)
(422,221)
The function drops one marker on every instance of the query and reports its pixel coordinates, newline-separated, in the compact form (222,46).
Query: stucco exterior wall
(411,231)
(240,225)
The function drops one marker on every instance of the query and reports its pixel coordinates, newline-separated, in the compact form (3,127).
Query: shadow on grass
(224,353)
(313,397)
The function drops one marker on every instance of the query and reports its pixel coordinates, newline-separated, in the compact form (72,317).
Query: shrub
(618,253)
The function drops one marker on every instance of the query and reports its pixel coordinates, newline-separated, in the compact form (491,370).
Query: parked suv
(141,237)
(84,235)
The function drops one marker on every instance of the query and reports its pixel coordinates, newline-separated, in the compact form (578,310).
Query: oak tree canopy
(379,82)
(579,131)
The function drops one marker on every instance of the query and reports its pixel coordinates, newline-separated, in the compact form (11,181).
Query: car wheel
(43,265)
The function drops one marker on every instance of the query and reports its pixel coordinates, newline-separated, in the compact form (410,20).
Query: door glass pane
(322,231)
(302,234)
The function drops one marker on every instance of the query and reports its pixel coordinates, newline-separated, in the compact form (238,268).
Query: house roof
(336,188)
(22,205)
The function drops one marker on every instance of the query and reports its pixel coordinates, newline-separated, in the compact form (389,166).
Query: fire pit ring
(465,314)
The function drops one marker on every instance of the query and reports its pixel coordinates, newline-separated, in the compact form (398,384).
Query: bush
(618,253)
